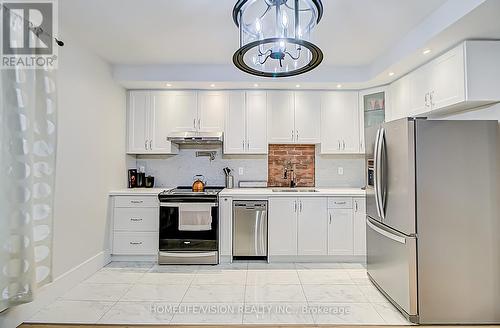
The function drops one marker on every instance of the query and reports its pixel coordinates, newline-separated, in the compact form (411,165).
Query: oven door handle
(178,204)
(187,254)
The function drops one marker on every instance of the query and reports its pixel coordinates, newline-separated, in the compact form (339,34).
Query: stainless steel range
(189,224)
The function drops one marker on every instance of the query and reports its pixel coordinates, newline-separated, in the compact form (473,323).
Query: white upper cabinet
(340,123)
(399,93)
(181,108)
(256,119)
(138,122)
(148,124)
(312,226)
(212,106)
(245,123)
(281,121)
(235,125)
(307,117)
(465,77)
(293,117)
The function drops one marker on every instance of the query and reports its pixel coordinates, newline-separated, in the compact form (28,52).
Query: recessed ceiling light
(255,85)
(297,86)
(391,73)
(339,86)
(169,85)
(212,85)
(426,51)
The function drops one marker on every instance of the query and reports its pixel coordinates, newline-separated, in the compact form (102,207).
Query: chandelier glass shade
(275,36)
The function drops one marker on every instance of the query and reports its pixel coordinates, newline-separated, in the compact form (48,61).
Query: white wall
(90,154)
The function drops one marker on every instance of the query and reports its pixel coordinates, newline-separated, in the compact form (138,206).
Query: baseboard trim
(16,315)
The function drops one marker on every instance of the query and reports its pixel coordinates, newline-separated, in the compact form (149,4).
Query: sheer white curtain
(27,169)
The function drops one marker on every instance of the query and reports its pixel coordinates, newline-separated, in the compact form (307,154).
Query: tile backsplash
(177,170)
(299,158)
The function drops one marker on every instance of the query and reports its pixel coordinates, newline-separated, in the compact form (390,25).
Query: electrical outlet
(340,171)
(240,171)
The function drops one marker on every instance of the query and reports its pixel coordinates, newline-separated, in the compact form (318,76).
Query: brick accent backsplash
(301,158)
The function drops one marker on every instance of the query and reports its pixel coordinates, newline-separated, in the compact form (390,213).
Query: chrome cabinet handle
(295,206)
(151,144)
(248,144)
(297,135)
(136,243)
(300,205)
(356,205)
(137,201)
(293,136)
(340,203)
(199,124)
(135,219)
(330,218)
(343,145)
(146,144)
(431,98)
(243,144)
(194,123)
(338,144)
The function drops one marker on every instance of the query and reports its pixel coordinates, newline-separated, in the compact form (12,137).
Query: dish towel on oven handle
(195,217)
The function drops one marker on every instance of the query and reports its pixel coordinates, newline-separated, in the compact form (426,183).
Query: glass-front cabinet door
(373,105)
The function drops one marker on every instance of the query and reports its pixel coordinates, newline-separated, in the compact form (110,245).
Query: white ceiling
(191,42)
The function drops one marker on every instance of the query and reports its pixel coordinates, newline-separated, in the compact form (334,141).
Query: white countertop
(138,191)
(267,192)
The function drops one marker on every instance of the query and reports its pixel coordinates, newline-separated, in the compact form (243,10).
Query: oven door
(179,238)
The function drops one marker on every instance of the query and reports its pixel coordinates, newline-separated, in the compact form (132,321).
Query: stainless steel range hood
(196,137)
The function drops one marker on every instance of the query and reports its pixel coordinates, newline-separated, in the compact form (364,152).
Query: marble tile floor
(238,293)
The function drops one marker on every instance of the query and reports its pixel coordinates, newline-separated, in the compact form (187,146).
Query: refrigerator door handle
(386,233)
(382,179)
(376,173)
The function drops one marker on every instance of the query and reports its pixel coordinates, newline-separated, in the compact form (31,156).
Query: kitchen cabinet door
(340,231)
(312,226)
(282,226)
(212,106)
(226,226)
(234,127)
(340,130)
(138,122)
(419,91)
(399,94)
(281,122)
(307,117)
(182,110)
(162,109)
(359,226)
(447,76)
(256,122)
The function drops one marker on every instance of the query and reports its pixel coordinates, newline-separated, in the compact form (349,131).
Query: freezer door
(392,266)
(395,175)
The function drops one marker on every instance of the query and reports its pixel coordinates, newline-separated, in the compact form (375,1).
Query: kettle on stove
(199,184)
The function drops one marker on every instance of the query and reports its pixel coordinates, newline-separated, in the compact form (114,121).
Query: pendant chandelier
(275,36)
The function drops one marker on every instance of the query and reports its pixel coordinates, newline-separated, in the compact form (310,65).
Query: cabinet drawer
(136,201)
(340,202)
(135,243)
(136,219)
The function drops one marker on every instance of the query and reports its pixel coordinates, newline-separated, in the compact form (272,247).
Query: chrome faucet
(289,171)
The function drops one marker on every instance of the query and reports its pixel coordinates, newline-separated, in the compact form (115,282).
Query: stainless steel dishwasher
(249,230)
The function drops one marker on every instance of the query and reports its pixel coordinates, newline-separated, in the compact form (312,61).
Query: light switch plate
(240,171)
(340,171)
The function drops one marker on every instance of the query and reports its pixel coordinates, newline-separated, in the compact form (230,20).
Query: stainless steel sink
(294,190)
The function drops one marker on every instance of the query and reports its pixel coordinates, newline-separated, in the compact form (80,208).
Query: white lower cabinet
(226,226)
(135,225)
(282,224)
(340,231)
(312,226)
(359,220)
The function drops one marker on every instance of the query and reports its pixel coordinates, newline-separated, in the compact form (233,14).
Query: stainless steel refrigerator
(433,219)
